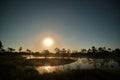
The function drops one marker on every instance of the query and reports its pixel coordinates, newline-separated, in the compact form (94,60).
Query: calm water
(81,63)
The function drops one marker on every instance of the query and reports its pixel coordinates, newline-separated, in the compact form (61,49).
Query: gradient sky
(73,24)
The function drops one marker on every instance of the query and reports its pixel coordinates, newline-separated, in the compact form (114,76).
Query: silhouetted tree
(117,51)
(109,49)
(20,49)
(3,50)
(29,51)
(104,48)
(46,53)
(100,50)
(11,49)
(74,53)
(83,51)
(57,50)
(68,53)
(63,52)
(89,51)
(94,50)
(1,46)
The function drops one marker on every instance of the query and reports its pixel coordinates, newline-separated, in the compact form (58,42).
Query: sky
(72,24)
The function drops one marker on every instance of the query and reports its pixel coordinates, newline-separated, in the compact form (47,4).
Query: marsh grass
(93,74)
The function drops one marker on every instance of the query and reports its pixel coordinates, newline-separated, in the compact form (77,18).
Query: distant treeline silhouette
(92,52)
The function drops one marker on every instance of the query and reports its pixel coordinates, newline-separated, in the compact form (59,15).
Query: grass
(93,74)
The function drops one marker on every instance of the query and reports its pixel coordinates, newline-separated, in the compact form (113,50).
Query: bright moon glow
(48,42)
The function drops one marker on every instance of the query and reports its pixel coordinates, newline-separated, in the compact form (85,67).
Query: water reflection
(81,63)
(46,69)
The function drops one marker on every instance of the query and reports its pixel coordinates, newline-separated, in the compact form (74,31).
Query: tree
(109,49)
(3,50)
(46,53)
(68,51)
(10,49)
(83,51)
(89,51)
(63,52)
(1,46)
(57,50)
(94,49)
(20,49)
(117,51)
(104,48)
(29,51)
(100,50)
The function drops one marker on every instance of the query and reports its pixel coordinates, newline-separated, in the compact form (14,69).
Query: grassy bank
(31,74)
(94,74)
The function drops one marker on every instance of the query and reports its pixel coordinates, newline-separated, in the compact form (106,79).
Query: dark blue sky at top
(75,23)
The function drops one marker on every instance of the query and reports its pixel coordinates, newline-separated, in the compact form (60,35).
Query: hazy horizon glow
(72,24)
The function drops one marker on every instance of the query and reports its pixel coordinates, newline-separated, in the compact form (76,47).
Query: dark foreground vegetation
(31,74)
(16,68)
(13,66)
(94,74)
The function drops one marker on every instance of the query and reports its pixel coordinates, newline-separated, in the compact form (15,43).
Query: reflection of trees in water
(105,63)
(100,63)
(90,61)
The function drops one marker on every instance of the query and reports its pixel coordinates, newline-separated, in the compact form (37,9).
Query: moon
(48,42)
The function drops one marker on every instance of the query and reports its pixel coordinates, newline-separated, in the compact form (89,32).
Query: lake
(80,63)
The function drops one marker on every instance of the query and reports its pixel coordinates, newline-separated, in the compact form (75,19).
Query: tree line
(93,52)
